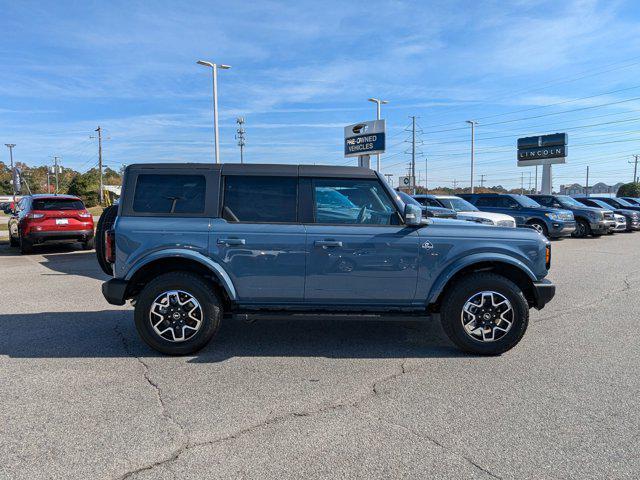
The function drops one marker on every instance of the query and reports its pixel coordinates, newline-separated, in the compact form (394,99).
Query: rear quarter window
(169,194)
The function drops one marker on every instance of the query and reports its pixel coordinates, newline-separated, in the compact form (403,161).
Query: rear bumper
(114,291)
(543,292)
(43,235)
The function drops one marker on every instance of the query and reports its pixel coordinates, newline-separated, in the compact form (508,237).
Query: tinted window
(56,204)
(546,201)
(457,204)
(487,202)
(260,199)
(525,201)
(169,194)
(352,202)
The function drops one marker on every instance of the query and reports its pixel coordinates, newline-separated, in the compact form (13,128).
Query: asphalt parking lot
(83,398)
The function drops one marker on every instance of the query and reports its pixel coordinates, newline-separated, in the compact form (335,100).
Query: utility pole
(586,188)
(530,181)
(635,167)
(426,176)
(482,180)
(13,172)
(455,184)
(521,183)
(536,179)
(473,124)
(413,153)
(378,101)
(240,137)
(99,130)
(55,170)
(48,182)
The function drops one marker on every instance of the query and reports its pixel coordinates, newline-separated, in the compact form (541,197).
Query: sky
(303,70)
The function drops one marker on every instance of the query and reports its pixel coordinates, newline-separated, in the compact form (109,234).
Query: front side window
(171,194)
(525,201)
(487,202)
(458,204)
(260,199)
(353,202)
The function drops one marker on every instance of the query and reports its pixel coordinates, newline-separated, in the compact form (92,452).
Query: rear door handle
(327,243)
(231,241)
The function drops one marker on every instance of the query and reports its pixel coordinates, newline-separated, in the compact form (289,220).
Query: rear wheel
(485,314)
(14,241)
(26,247)
(105,223)
(177,313)
(582,229)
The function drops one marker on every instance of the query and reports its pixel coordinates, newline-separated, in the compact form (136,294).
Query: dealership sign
(364,138)
(542,150)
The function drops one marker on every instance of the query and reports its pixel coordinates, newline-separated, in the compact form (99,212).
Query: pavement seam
(164,411)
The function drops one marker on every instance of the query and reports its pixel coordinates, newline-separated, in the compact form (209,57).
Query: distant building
(597,189)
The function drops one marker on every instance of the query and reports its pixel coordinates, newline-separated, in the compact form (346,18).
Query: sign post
(544,150)
(363,140)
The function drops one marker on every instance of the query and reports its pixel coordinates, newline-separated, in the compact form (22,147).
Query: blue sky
(302,70)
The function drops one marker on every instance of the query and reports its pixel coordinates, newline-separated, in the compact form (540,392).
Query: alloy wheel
(176,315)
(487,316)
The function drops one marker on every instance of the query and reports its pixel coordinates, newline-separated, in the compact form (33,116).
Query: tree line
(84,185)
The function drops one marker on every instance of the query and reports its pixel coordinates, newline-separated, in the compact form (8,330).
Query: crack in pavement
(164,411)
(265,423)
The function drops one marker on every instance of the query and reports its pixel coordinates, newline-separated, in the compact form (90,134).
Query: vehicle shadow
(111,333)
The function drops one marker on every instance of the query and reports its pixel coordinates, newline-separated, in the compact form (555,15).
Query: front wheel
(177,313)
(582,229)
(540,227)
(485,314)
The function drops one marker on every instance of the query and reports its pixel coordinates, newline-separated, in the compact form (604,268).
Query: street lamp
(473,123)
(214,69)
(378,102)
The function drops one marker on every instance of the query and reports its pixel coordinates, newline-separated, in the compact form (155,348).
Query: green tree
(86,186)
(629,190)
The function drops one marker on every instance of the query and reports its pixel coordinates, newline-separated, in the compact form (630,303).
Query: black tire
(26,247)
(464,289)
(195,286)
(583,229)
(89,244)
(13,241)
(539,227)
(105,222)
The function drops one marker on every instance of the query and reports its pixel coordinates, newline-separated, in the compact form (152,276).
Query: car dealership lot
(82,397)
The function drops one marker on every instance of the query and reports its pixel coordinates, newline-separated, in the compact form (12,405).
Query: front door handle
(231,241)
(327,243)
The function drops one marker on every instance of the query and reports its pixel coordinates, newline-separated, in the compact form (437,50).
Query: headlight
(553,216)
(484,221)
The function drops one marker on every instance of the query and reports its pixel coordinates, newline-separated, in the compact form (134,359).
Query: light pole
(378,102)
(13,173)
(473,124)
(214,69)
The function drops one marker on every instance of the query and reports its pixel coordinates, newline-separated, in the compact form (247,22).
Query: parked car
(191,243)
(632,216)
(429,209)
(551,222)
(590,220)
(632,200)
(467,211)
(617,203)
(42,218)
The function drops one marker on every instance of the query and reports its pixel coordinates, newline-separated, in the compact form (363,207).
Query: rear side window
(56,204)
(486,201)
(169,194)
(260,199)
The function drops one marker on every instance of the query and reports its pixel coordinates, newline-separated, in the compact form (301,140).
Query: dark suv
(632,216)
(551,222)
(590,220)
(193,242)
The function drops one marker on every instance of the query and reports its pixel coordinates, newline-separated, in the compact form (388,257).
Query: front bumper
(603,226)
(44,235)
(561,228)
(543,292)
(114,291)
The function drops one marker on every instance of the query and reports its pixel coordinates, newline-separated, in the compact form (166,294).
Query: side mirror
(412,215)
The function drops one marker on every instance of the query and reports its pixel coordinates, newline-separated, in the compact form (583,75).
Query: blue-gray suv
(189,244)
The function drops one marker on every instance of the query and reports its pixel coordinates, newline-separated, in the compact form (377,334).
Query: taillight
(35,215)
(84,214)
(110,246)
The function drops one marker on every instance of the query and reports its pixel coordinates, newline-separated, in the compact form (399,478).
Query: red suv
(40,218)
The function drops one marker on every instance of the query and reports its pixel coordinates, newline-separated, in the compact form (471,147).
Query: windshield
(566,200)
(408,199)
(57,204)
(526,201)
(624,202)
(458,204)
(332,198)
(601,204)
